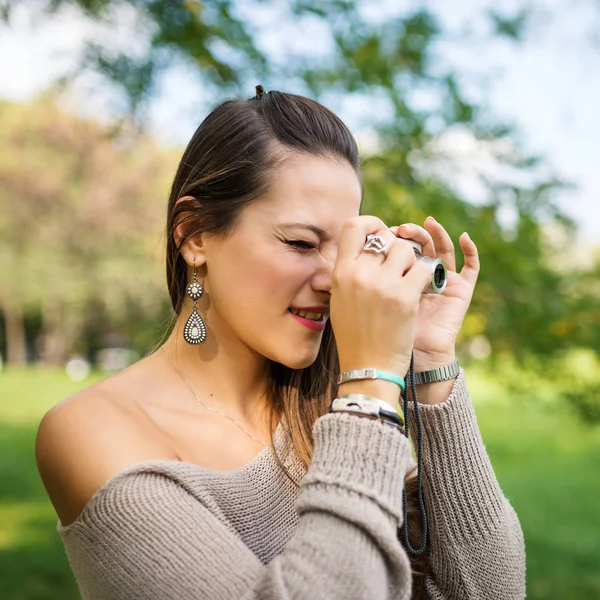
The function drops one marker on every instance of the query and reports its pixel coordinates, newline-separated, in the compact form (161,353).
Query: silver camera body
(439,273)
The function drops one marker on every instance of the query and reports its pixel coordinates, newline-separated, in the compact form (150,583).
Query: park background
(484,116)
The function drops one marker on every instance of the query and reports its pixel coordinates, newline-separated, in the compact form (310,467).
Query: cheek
(286,274)
(261,276)
(283,285)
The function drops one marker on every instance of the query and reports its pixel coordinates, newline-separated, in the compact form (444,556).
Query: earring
(194,331)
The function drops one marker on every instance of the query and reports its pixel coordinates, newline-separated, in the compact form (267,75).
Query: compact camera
(438,269)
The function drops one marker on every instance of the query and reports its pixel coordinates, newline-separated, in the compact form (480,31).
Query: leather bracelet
(385,406)
(366,406)
(382,420)
(440,374)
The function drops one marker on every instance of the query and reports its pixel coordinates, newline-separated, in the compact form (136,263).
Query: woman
(214,468)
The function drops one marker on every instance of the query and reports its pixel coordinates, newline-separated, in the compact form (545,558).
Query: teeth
(307,315)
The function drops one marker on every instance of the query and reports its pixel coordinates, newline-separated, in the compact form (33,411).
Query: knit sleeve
(476,543)
(147,536)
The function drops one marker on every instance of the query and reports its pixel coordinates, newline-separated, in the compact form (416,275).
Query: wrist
(425,361)
(435,384)
(384,390)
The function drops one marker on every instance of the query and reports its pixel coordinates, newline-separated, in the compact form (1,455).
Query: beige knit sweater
(165,529)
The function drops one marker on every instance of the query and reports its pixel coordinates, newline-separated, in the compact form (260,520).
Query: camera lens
(439,275)
(438,270)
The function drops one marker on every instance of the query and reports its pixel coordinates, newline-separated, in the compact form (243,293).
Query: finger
(443,243)
(401,257)
(470,270)
(353,237)
(410,231)
(389,240)
(418,277)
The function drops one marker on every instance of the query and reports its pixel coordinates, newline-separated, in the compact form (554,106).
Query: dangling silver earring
(194,331)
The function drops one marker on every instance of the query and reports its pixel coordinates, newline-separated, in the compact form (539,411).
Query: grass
(546,462)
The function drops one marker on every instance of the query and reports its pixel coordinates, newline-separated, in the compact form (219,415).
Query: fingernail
(430,217)
(468,237)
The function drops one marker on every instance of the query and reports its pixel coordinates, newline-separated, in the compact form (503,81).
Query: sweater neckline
(167,463)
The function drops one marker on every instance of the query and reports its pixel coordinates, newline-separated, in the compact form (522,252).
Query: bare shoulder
(86,439)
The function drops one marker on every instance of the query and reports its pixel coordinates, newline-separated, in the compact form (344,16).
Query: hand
(375,298)
(440,316)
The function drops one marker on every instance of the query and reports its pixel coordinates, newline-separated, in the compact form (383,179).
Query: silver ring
(375,244)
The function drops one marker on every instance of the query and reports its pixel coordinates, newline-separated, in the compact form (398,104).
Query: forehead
(320,191)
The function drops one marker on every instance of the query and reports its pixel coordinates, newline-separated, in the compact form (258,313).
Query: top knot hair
(259,91)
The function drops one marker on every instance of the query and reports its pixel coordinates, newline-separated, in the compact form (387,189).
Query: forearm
(476,542)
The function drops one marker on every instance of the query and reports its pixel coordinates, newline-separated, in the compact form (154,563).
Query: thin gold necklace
(202,403)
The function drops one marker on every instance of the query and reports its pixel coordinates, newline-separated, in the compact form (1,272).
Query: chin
(304,364)
(297,362)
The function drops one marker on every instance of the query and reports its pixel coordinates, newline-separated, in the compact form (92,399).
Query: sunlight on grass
(546,461)
(26,394)
(19,523)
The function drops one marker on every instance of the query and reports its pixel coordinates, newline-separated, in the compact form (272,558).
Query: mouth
(318,317)
(314,321)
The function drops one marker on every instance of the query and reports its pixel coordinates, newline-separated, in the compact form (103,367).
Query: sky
(548,86)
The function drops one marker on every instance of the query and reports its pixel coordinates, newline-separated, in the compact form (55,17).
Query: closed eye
(301,245)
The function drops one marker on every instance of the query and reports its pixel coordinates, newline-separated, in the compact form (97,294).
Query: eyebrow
(320,232)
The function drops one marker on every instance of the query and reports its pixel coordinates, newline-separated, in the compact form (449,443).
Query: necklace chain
(204,405)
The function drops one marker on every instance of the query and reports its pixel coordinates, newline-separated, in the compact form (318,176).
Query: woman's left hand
(441,315)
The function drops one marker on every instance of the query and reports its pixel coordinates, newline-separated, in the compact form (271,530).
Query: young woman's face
(256,275)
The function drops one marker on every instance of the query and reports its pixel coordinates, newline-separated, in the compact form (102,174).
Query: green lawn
(547,464)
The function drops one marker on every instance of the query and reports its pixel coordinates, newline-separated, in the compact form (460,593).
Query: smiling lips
(312,315)
(312,320)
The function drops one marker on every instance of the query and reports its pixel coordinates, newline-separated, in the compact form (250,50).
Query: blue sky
(548,86)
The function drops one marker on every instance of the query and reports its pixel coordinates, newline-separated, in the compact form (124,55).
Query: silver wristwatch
(440,374)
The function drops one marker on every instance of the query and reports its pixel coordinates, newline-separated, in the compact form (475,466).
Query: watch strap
(439,374)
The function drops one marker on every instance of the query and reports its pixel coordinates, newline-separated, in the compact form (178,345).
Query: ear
(192,250)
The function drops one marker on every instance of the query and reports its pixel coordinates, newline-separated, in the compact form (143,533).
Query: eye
(300,244)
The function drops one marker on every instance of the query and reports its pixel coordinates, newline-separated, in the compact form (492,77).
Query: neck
(229,377)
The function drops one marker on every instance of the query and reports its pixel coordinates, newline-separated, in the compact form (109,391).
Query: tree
(81,208)
(521,302)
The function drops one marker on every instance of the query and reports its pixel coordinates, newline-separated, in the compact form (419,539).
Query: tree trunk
(54,345)
(16,345)
(62,327)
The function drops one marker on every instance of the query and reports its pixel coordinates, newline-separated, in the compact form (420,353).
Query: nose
(321,281)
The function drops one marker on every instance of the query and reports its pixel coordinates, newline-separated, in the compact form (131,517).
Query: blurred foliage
(198,31)
(513,27)
(81,204)
(585,399)
(81,210)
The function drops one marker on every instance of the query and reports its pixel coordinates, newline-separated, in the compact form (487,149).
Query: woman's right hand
(375,298)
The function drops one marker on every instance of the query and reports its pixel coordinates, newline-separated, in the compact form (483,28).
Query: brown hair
(226,166)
